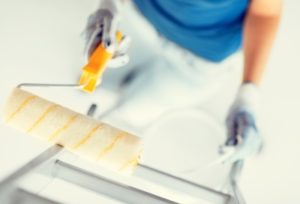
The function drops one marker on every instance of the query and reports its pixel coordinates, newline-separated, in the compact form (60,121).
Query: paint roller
(80,134)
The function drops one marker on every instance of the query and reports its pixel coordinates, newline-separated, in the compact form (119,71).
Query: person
(207,35)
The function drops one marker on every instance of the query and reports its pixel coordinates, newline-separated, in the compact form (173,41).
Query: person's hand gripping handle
(105,45)
(243,135)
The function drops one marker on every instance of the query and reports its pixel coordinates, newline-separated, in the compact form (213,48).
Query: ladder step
(179,184)
(102,185)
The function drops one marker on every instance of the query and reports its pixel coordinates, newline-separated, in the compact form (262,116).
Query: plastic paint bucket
(185,143)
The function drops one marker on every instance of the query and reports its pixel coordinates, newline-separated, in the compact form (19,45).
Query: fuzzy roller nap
(106,145)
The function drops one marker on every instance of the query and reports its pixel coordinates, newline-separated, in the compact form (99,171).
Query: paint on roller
(56,123)
(131,163)
(21,107)
(87,136)
(42,117)
(111,145)
(64,127)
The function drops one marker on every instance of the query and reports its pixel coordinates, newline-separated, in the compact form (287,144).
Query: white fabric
(169,77)
(249,98)
(112,5)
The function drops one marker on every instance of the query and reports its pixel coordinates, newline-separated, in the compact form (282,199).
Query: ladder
(49,165)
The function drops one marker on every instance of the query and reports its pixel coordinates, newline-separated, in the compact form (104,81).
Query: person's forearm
(260,27)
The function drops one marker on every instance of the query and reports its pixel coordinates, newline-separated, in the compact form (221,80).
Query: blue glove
(243,135)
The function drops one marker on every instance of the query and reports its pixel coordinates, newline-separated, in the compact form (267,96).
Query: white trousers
(168,77)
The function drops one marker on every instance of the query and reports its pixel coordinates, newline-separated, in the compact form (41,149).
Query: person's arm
(260,27)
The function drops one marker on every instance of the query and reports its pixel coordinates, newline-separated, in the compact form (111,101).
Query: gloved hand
(102,26)
(243,135)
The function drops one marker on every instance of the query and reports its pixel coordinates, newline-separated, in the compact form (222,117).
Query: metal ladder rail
(8,190)
(151,174)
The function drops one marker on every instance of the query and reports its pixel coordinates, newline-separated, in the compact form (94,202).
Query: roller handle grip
(96,65)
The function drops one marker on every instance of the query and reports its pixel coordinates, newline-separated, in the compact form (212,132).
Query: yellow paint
(132,162)
(64,127)
(21,107)
(42,117)
(111,145)
(87,136)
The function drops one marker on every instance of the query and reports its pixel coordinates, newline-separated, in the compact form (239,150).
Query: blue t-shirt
(209,28)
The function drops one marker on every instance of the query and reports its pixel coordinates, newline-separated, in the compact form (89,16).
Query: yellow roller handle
(94,69)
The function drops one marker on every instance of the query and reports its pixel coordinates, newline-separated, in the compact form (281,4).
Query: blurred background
(40,42)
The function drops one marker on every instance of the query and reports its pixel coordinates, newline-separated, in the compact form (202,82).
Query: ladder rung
(99,184)
(29,167)
(181,185)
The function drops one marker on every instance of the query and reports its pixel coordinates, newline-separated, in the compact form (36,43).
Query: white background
(40,41)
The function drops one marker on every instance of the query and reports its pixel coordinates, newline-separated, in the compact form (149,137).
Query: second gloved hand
(243,134)
(102,26)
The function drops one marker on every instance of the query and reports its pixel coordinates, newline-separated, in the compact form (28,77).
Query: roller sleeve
(85,136)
